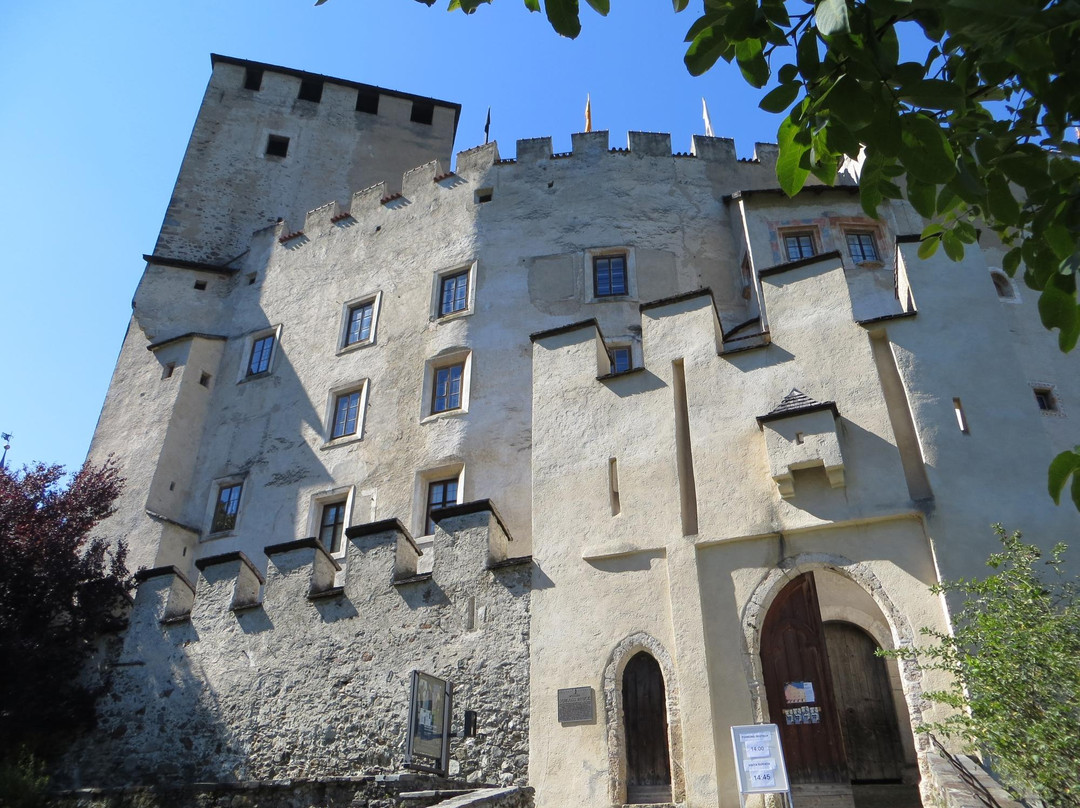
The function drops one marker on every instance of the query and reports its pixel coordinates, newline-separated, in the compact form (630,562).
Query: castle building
(623,442)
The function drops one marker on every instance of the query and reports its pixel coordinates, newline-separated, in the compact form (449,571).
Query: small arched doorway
(644,699)
(864,696)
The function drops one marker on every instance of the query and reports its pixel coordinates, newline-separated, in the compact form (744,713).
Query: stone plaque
(576,704)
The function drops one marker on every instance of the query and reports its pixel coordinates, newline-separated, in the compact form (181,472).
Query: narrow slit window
(961,418)
(1045,398)
(204,379)
(167,371)
(613,486)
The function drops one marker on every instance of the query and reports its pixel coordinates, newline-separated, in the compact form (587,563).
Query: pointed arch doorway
(648,762)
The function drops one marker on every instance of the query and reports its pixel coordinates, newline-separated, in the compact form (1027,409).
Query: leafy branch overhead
(972,132)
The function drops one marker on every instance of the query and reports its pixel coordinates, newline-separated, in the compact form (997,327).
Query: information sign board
(428,736)
(576,704)
(759,760)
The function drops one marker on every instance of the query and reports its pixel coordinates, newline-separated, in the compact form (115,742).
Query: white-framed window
(360,317)
(447,382)
(225,507)
(454,292)
(610,274)
(261,349)
(346,406)
(436,487)
(330,511)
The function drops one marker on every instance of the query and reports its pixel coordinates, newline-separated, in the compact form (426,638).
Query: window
(422,112)
(226,507)
(446,390)
(453,293)
(277,146)
(310,90)
(332,525)
(799,245)
(261,351)
(367,100)
(609,275)
(440,494)
(1046,398)
(620,359)
(346,414)
(862,247)
(358,325)
(483,195)
(253,78)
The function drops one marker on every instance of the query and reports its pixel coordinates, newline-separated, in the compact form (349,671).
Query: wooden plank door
(648,768)
(865,700)
(799,688)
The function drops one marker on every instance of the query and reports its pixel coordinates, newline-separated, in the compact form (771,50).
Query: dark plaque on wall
(576,704)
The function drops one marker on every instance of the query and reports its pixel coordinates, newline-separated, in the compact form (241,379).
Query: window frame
(458,299)
(609,257)
(469,271)
(347,309)
(859,233)
(629,351)
(461,357)
(448,396)
(319,501)
(249,344)
(1053,399)
(337,527)
(334,399)
(799,232)
(221,484)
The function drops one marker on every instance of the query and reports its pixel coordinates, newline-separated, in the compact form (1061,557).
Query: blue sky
(100,99)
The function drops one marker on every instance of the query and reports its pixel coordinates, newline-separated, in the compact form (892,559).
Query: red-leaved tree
(59,590)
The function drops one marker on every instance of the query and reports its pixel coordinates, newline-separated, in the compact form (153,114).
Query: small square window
(332,525)
(200,286)
(358,325)
(862,247)
(277,146)
(422,112)
(310,90)
(484,195)
(799,245)
(346,414)
(440,494)
(253,78)
(204,379)
(453,293)
(261,351)
(609,275)
(620,359)
(226,507)
(1045,398)
(367,100)
(446,388)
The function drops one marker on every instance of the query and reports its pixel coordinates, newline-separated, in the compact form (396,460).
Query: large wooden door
(648,769)
(867,712)
(799,688)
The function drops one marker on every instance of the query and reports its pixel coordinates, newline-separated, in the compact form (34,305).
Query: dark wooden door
(798,686)
(648,769)
(865,701)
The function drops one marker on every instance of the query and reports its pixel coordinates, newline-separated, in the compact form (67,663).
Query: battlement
(590,150)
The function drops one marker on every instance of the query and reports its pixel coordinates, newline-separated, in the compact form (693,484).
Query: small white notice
(759,760)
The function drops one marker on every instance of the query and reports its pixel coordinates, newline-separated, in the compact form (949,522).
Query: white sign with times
(759,760)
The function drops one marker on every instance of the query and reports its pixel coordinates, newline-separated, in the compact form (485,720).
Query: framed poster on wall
(427,741)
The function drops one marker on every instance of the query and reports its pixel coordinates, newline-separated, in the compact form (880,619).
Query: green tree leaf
(1061,468)
(832,17)
(705,49)
(602,7)
(1057,308)
(789,165)
(781,98)
(563,16)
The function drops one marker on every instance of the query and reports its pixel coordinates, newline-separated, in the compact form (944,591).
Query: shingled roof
(796,403)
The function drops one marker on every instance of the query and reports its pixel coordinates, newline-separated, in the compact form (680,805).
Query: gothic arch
(616,732)
(861,574)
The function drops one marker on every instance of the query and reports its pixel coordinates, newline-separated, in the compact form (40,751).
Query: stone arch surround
(862,575)
(616,734)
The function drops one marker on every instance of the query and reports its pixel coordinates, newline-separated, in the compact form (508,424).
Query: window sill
(610,298)
(869,264)
(344,440)
(221,534)
(355,346)
(436,416)
(457,315)
(255,376)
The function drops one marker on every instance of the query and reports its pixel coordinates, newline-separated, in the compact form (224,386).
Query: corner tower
(271,142)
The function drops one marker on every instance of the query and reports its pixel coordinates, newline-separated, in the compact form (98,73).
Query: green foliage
(23,781)
(59,590)
(1014,654)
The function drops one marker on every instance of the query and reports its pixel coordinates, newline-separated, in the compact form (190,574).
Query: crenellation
(534,150)
(716,149)
(649,144)
(589,144)
(300,567)
(417,182)
(474,162)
